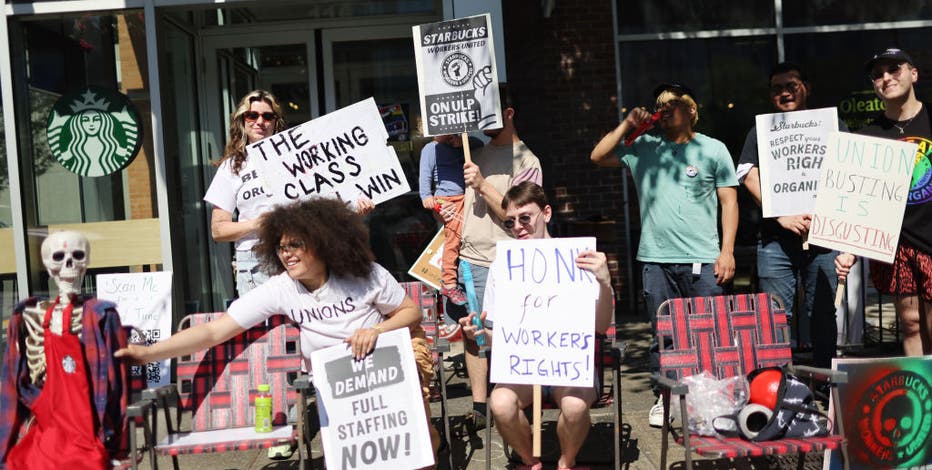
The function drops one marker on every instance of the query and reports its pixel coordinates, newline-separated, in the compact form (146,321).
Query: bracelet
(378,328)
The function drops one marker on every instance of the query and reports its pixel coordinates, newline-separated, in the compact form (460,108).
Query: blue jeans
(783,267)
(479,276)
(664,281)
(249,273)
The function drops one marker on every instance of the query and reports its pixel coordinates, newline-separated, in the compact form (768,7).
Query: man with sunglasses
(526,215)
(909,278)
(681,177)
(783,263)
(502,163)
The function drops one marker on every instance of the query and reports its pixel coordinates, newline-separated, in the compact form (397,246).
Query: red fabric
(64,434)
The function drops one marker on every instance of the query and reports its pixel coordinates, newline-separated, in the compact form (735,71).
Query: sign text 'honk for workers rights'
(543,313)
(371,410)
(342,154)
(862,194)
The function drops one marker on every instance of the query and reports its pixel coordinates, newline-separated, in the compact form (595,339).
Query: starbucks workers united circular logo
(94,132)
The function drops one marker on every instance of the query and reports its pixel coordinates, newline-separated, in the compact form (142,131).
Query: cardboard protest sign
(429,265)
(791,147)
(371,411)
(543,313)
(456,75)
(144,301)
(862,194)
(342,154)
(887,413)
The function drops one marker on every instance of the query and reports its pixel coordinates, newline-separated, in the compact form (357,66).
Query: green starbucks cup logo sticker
(94,132)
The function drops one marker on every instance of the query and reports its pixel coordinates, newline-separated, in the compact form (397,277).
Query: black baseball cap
(675,87)
(891,54)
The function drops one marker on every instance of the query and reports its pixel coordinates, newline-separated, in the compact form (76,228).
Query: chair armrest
(139,409)
(303,382)
(820,374)
(156,393)
(676,388)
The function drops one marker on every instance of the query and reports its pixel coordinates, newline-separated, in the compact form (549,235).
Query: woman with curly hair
(325,280)
(237,186)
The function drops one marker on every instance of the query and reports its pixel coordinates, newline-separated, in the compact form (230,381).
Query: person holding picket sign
(237,185)
(526,217)
(909,278)
(325,279)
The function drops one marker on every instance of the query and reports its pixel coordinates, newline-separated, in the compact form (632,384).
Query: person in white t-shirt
(526,217)
(325,279)
(237,185)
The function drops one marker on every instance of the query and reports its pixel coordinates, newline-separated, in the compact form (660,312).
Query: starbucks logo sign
(94,132)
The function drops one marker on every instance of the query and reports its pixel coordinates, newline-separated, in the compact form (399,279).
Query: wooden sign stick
(536,417)
(840,291)
(466,153)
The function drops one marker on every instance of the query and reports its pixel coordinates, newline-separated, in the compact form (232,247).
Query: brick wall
(561,71)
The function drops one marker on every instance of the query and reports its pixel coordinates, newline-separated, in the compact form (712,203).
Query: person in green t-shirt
(681,177)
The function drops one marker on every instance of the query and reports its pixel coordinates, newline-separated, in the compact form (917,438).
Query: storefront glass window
(826,12)
(385,70)
(320,10)
(116,208)
(663,16)
(8,294)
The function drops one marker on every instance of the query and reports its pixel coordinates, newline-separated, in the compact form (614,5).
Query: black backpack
(796,416)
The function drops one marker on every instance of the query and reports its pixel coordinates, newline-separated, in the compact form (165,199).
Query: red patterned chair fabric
(217,387)
(727,336)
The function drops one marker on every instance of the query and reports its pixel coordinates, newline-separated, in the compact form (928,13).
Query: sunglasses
(893,69)
(791,87)
(290,247)
(254,116)
(509,223)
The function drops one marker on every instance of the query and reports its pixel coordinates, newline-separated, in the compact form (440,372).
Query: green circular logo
(94,132)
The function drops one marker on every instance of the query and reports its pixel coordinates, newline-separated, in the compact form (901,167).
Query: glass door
(379,62)
(281,62)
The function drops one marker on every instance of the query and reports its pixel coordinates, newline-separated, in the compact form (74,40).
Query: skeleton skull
(66,255)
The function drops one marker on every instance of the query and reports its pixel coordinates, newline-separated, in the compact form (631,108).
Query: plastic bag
(710,398)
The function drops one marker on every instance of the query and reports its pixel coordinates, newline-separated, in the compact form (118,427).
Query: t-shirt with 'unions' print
(329,314)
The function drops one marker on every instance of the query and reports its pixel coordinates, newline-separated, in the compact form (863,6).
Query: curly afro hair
(328,228)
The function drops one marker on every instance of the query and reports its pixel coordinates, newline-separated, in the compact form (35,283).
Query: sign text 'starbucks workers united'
(94,132)
(456,75)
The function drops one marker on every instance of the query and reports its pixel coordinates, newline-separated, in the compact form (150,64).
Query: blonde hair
(667,96)
(236,144)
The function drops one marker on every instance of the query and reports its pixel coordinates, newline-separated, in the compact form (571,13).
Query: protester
(237,186)
(504,162)
(909,279)
(319,253)
(441,182)
(681,176)
(526,217)
(784,263)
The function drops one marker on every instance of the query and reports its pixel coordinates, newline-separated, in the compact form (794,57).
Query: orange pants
(452,235)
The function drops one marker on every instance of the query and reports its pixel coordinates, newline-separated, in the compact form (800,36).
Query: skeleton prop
(60,386)
(65,255)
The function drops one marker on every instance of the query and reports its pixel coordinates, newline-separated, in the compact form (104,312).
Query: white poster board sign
(371,411)
(456,75)
(543,313)
(342,154)
(144,300)
(862,194)
(791,148)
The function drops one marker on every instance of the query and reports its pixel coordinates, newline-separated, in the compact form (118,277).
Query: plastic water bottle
(263,404)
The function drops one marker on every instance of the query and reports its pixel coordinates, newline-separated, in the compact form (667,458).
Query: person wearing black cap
(783,263)
(681,176)
(909,278)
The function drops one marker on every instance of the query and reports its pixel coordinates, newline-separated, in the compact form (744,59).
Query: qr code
(152,371)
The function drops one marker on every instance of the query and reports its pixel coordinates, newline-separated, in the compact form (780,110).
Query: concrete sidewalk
(641,444)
